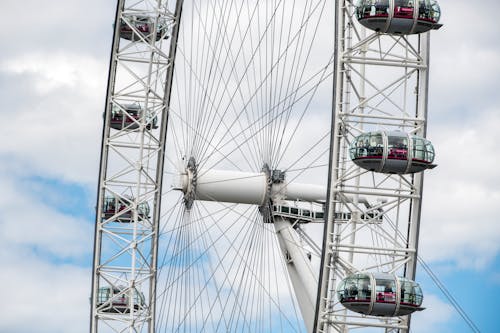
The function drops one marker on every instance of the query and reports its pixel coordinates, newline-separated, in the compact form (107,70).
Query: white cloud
(464,61)
(57,128)
(434,317)
(461,194)
(42,284)
(54,71)
(27,223)
(42,297)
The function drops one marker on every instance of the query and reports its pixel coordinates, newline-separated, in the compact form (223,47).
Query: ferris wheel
(233,196)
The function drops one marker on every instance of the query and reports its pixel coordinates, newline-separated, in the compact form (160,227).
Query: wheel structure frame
(131,169)
(381,83)
(133,163)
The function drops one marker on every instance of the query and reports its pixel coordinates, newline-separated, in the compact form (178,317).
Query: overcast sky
(53,72)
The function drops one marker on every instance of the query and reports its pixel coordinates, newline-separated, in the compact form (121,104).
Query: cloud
(42,297)
(55,70)
(460,195)
(82,26)
(57,126)
(434,318)
(27,223)
(464,67)
(44,256)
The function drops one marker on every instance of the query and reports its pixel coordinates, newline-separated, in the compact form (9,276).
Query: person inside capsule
(393,296)
(403,8)
(398,147)
(385,290)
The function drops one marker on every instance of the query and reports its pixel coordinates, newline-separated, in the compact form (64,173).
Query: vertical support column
(161,157)
(328,254)
(416,204)
(299,269)
(131,169)
(103,169)
(387,79)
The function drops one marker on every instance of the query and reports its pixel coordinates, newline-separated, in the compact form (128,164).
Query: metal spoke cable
(227,54)
(298,74)
(208,78)
(456,305)
(218,161)
(204,111)
(246,278)
(449,296)
(239,83)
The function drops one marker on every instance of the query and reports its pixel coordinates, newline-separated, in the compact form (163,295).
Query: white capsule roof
(380,294)
(399,16)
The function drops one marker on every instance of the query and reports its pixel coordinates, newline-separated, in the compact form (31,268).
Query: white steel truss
(125,250)
(231,235)
(381,84)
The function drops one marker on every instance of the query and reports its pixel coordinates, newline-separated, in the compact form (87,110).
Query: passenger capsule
(117,300)
(380,294)
(137,28)
(392,152)
(399,16)
(117,209)
(128,117)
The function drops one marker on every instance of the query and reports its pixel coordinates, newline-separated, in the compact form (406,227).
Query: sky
(53,72)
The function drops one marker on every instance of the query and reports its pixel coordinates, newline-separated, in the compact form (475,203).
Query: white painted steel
(131,171)
(381,84)
(301,191)
(231,186)
(302,275)
(208,256)
(245,187)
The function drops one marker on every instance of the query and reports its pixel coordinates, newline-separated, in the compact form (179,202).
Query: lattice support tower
(131,168)
(381,84)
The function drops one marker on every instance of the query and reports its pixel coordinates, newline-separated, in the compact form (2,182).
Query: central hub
(189,186)
(239,187)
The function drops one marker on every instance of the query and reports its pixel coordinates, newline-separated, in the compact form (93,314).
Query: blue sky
(53,71)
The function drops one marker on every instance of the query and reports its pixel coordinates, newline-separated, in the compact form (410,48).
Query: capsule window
(429,151)
(411,293)
(342,291)
(367,145)
(143,209)
(425,11)
(435,11)
(403,8)
(397,147)
(376,145)
(385,290)
(367,8)
(103,295)
(422,150)
(355,288)
(419,149)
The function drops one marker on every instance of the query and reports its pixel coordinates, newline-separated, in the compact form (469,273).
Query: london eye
(262,166)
